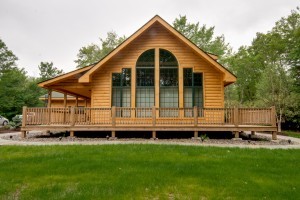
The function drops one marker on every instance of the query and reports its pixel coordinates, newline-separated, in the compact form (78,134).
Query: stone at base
(153,138)
(196,138)
(238,139)
(113,138)
(275,141)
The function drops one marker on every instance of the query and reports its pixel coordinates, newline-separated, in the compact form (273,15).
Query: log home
(156,80)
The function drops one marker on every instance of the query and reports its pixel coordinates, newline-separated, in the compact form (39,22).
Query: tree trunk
(279,120)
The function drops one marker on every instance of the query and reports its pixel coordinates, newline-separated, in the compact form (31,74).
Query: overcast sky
(55,30)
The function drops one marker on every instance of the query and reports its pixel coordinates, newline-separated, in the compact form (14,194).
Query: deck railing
(118,116)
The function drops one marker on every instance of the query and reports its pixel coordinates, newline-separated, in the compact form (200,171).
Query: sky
(54,31)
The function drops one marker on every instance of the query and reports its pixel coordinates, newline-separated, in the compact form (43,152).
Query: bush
(16,122)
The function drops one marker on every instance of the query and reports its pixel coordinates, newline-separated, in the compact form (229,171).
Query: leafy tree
(289,29)
(268,70)
(274,90)
(292,113)
(93,53)
(7,58)
(47,71)
(12,92)
(202,36)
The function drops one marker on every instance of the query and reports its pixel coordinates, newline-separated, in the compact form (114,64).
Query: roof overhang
(210,58)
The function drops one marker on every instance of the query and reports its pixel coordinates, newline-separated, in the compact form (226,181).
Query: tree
(12,92)
(289,29)
(202,36)
(268,72)
(243,65)
(273,90)
(93,53)
(7,58)
(47,71)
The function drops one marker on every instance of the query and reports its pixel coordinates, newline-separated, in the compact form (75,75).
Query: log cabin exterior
(156,80)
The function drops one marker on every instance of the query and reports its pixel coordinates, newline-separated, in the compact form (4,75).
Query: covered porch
(149,119)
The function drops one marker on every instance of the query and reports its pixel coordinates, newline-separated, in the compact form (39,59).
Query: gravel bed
(245,139)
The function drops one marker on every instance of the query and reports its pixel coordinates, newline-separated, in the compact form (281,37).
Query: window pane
(188,97)
(126,77)
(126,97)
(145,97)
(197,79)
(116,97)
(188,77)
(167,59)
(116,79)
(168,77)
(169,97)
(144,77)
(198,97)
(146,59)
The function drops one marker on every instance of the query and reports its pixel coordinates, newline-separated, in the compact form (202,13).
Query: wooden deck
(149,119)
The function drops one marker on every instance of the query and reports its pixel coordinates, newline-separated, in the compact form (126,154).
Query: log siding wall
(157,37)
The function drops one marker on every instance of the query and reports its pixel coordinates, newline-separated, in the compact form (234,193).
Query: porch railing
(121,116)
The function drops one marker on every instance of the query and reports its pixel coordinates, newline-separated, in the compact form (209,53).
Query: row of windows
(121,93)
(145,81)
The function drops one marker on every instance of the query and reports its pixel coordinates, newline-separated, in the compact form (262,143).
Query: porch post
(49,98)
(65,105)
(72,116)
(72,134)
(113,116)
(236,116)
(153,116)
(113,134)
(76,102)
(274,135)
(153,134)
(49,106)
(24,113)
(196,134)
(113,121)
(195,115)
(65,100)
(236,134)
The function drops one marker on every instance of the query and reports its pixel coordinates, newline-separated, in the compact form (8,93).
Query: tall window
(193,88)
(168,81)
(145,79)
(121,91)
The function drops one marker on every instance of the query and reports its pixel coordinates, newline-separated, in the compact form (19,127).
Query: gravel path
(34,138)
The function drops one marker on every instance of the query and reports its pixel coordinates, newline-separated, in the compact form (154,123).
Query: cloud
(37,30)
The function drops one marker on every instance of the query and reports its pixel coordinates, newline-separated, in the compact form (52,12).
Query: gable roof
(210,58)
(64,76)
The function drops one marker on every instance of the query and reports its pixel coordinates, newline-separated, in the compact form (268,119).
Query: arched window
(145,79)
(168,80)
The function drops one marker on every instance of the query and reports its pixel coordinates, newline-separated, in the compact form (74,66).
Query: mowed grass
(292,134)
(147,172)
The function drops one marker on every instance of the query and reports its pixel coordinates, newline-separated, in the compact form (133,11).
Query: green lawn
(292,134)
(147,172)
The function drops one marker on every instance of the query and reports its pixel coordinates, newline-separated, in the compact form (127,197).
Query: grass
(294,134)
(147,172)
